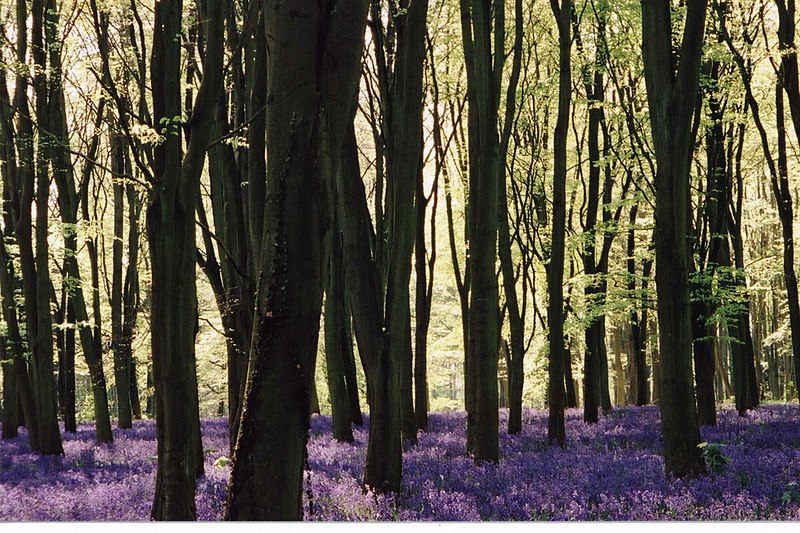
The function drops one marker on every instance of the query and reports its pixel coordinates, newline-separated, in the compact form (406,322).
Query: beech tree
(672,81)
(555,266)
(171,238)
(312,76)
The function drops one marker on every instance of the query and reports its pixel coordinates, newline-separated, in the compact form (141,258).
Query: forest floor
(612,470)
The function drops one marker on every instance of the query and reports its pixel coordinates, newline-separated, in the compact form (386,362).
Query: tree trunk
(671,97)
(423,268)
(484,74)
(313,73)
(362,281)
(555,268)
(10,394)
(130,294)
(336,338)
(788,80)
(171,237)
(42,338)
(69,201)
(122,365)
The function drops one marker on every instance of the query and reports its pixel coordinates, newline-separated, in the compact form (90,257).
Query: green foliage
(222,462)
(791,493)
(713,456)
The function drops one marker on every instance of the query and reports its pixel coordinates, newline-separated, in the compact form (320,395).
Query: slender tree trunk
(638,320)
(362,281)
(555,269)
(122,365)
(516,352)
(336,338)
(69,202)
(789,81)
(130,294)
(423,299)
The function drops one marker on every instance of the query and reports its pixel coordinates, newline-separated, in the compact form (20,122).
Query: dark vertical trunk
(785,212)
(671,96)
(362,281)
(555,268)
(515,353)
(350,377)
(10,395)
(312,77)
(14,349)
(336,336)
(404,129)
(596,389)
(483,97)
(171,236)
(11,340)
(22,184)
(637,319)
(150,402)
(423,267)
(130,295)
(230,279)
(789,81)
(121,362)
(42,341)
(571,399)
(70,423)
(703,361)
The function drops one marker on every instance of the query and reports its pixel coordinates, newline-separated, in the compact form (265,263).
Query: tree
(516,314)
(555,266)
(484,67)
(672,81)
(312,78)
(171,238)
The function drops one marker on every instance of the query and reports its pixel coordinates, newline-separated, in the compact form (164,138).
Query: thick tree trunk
(482,345)
(313,52)
(671,97)
(42,339)
(171,237)
(404,128)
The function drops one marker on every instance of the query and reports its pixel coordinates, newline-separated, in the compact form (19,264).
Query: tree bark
(171,237)
(312,77)
(671,97)
(336,336)
(555,269)
(362,281)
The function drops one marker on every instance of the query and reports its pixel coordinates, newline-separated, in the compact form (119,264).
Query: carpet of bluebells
(612,470)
